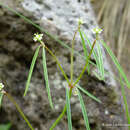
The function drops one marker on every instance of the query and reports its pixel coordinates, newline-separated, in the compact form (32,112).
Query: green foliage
(46,76)
(58,63)
(100,59)
(62,113)
(68,109)
(125,102)
(99,64)
(87,62)
(84,111)
(84,48)
(5,126)
(115,61)
(89,94)
(1,96)
(31,70)
(97,56)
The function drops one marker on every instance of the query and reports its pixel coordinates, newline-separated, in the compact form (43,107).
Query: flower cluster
(97,30)
(80,21)
(37,37)
(1,86)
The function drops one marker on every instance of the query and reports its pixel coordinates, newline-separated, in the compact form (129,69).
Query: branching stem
(62,114)
(87,61)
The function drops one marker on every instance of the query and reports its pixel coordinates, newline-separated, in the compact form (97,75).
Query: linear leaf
(1,97)
(125,102)
(46,77)
(84,111)
(31,70)
(89,94)
(90,45)
(100,59)
(68,109)
(114,59)
(97,56)
(84,48)
(62,113)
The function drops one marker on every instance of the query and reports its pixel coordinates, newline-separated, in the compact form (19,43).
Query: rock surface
(16,51)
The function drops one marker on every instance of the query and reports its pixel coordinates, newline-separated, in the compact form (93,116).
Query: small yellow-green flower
(37,37)
(1,86)
(80,21)
(97,30)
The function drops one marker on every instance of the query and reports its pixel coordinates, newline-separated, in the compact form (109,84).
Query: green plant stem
(46,76)
(125,101)
(1,97)
(62,114)
(19,109)
(72,54)
(31,70)
(58,63)
(87,62)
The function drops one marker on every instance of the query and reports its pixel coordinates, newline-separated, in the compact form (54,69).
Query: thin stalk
(19,109)
(72,55)
(1,97)
(57,61)
(125,102)
(87,62)
(62,114)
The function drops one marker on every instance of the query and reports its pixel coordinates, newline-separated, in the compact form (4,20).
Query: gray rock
(16,51)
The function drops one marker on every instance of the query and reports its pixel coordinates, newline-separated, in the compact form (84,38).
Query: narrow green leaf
(116,63)
(97,56)
(31,70)
(46,77)
(1,97)
(84,111)
(90,46)
(89,94)
(68,109)
(62,113)
(125,102)
(84,48)
(100,59)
